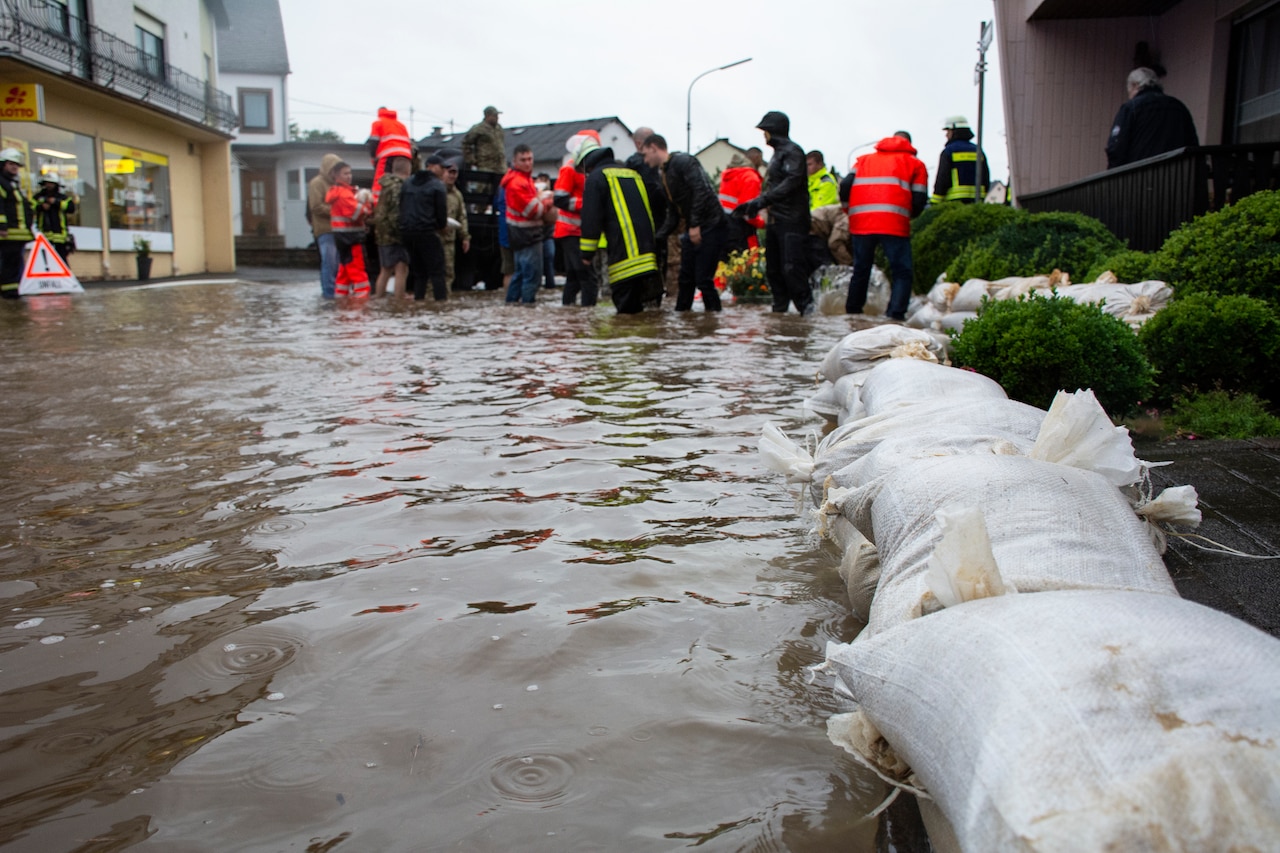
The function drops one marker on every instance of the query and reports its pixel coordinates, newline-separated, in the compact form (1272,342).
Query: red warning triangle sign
(46,272)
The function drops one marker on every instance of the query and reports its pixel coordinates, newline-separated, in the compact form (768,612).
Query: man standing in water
(615,205)
(786,196)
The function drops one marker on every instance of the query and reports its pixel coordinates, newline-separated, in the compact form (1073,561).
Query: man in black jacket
(691,197)
(423,217)
(1149,123)
(786,196)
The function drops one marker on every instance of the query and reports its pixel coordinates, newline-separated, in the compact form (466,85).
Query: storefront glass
(70,156)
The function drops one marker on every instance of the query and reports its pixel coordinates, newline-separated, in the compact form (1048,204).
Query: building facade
(1064,65)
(121,101)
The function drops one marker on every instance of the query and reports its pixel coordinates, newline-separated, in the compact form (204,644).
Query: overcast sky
(846,72)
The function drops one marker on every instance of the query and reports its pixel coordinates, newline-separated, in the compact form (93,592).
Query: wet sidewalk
(1239,487)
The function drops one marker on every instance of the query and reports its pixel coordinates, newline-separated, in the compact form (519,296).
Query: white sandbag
(848,395)
(1051,527)
(1078,432)
(954,322)
(907,381)
(969,297)
(823,401)
(1080,720)
(859,567)
(784,456)
(941,294)
(851,441)
(963,566)
(862,349)
(1133,303)
(929,441)
(925,317)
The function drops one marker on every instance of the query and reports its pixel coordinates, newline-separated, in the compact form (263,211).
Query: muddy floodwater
(284,575)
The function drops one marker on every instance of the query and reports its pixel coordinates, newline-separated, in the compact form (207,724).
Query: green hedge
(940,234)
(1036,346)
(1205,341)
(1037,245)
(1233,250)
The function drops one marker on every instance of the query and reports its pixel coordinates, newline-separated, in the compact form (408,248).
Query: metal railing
(46,33)
(1144,202)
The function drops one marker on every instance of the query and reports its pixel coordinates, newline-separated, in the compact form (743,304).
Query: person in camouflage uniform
(457,211)
(484,146)
(392,255)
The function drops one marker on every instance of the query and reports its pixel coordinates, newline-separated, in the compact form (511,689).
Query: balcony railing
(46,34)
(1143,202)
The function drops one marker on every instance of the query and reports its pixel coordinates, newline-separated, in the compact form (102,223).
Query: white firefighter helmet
(53,178)
(955,123)
(12,155)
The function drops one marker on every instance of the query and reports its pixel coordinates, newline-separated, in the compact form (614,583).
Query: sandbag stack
(1027,665)
(948,305)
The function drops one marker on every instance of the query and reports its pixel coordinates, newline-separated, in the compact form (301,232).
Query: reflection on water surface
(390,577)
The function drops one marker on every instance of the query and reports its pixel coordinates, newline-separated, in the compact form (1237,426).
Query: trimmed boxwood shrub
(940,233)
(1233,250)
(1129,265)
(1037,245)
(1205,341)
(1037,346)
(1221,414)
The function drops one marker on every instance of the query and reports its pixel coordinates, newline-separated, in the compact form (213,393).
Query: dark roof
(546,140)
(253,41)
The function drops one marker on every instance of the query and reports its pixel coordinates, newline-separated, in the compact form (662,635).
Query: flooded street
(285,575)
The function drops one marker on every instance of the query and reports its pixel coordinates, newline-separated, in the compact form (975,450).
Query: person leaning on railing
(1149,123)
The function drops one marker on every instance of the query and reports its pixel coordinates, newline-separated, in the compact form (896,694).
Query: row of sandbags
(948,305)
(1027,667)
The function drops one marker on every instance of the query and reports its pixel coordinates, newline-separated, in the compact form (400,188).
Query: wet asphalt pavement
(1239,487)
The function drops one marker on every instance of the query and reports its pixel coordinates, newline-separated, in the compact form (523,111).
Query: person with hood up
(889,189)
(615,206)
(423,218)
(957,174)
(388,137)
(786,196)
(321,223)
(740,183)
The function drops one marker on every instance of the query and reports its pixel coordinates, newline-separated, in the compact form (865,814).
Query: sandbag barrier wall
(1027,667)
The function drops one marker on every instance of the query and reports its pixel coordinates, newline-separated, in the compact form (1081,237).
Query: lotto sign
(22,102)
(46,272)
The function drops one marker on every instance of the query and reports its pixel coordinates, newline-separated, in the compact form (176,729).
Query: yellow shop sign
(21,102)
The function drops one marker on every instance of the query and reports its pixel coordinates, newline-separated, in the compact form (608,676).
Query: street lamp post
(688,105)
(979,78)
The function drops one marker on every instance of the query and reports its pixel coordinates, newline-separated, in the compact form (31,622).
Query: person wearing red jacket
(568,201)
(388,137)
(890,188)
(740,183)
(526,207)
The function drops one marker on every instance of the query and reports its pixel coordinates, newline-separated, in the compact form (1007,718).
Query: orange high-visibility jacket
(880,201)
(738,185)
(391,135)
(568,195)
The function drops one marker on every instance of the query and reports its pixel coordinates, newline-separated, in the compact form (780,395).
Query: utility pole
(979,77)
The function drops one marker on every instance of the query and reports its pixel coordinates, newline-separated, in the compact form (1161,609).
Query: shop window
(255,111)
(70,156)
(137,196)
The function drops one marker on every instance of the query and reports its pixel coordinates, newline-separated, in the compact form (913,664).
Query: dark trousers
(578,277)
(10,267)
(898,251)
(736,234)
(786,259)
(631,294)
(426,260)
(698,267)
